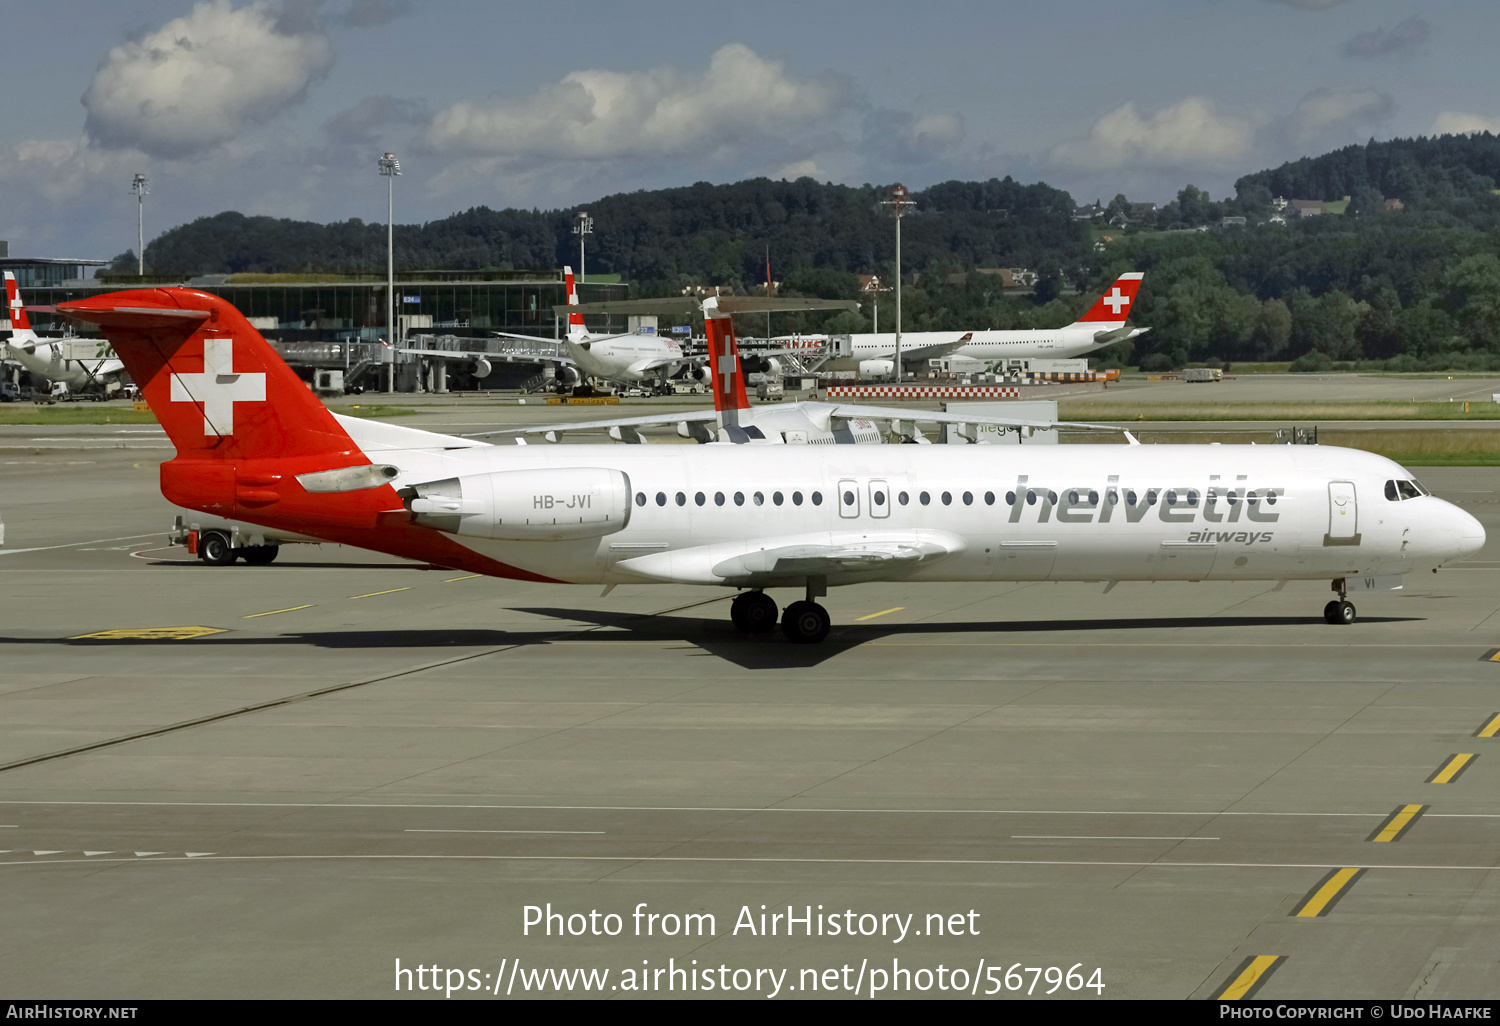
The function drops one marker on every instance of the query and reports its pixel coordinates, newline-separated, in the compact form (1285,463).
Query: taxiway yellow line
(1397,823)
(372,594)
(1449,771)
(1249,976)
(468,578)
(1491,727)
(273,612)
(872,616)
(1327,892)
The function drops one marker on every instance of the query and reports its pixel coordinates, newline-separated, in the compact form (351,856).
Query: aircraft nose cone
(1471,532)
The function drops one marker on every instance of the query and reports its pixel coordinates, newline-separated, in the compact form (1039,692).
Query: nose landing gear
(1340,610)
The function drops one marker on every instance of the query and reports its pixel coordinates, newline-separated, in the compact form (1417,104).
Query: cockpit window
(1396,491)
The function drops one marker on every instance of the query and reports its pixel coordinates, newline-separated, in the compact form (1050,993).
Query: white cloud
(1402,41)
(592,115)
(64,169)
(940,130)
(800,169)
(1329,109)
(200,80)
(1452,122)
(1188,132)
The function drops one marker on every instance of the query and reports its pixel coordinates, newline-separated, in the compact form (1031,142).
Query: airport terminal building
(331,319)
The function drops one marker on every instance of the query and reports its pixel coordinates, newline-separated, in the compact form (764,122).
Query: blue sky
(280,107)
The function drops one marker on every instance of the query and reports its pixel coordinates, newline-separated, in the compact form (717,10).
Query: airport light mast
(899,204)
(141,186)
(583,229)
(390,167)
(874,288)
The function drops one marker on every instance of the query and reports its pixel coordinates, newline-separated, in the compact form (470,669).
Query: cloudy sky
(281,107)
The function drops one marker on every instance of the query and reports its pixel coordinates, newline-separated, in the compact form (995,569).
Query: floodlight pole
(390,167)
(583,229)
(141,186)
(875,289)
(899,204)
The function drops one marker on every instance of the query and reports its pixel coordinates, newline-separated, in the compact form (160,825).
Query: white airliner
(874,356)
(253,443)
(53,359)
(626,358)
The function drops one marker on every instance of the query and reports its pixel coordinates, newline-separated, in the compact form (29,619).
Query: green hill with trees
(1397,264)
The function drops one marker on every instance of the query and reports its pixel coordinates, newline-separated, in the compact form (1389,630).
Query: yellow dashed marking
(1491,727)
(153,633)
(1249,976)
(1327,892)
(372,594)
(1450,770)
(1398,823)
(872,616)
(273,612)
(468,578)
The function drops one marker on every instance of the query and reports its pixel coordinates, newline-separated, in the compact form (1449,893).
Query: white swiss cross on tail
(1117,300)
(218,388)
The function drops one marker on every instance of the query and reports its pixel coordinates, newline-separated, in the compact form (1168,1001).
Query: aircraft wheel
(1331,612)
(753,612)
(806,623)
(1343,612)
(214,549)
(260,555)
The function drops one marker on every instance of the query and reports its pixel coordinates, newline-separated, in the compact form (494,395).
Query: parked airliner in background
(734,420)
(45,358)
(253,443)
(1104,325)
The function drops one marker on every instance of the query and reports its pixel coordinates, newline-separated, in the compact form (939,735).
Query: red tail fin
(1114,305)
(575,319)
(215,384)
(18,319)
(725,370)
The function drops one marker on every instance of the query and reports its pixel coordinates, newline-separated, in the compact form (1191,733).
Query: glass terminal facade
(332,308)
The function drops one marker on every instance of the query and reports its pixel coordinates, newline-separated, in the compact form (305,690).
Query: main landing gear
(804,622)
(1340,610)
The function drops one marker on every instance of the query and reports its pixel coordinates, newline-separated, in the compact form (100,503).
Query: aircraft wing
(766,562)
(850,410)
(624,425)
(933,352)
(656,363)
(490,357)
(1105,338)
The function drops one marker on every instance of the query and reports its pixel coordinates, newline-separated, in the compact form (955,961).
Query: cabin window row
(1031,496)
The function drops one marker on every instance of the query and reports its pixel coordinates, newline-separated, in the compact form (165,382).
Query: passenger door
(1343,514)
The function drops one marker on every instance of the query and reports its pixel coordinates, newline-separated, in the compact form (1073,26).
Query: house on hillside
(1089,212)
(1304,208)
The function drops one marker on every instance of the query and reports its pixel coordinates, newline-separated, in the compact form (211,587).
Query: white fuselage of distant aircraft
(625,357)
(1104,324)
(45,358)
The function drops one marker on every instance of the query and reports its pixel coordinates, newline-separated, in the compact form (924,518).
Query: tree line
(1408,286)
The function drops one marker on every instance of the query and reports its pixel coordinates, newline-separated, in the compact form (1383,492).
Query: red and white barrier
(923,392)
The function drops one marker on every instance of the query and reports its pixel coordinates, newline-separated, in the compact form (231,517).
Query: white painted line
(504,831)
(1207,814)
(1115,864)
(1101,837)
(69,545)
